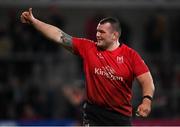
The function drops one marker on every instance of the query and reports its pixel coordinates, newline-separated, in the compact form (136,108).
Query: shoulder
(128,48)
(129,51)
(82,44)
(75,39)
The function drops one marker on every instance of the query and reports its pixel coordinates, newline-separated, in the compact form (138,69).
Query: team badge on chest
(120,59)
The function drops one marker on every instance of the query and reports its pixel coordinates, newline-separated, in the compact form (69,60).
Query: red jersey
(109,74)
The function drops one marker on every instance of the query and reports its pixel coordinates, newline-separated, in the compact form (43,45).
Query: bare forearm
(147,84)
(148,88)
(54,33)
(49,31)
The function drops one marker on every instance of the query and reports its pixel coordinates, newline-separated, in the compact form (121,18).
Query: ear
(115,35)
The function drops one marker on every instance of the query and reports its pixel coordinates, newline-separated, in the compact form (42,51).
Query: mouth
(99,40)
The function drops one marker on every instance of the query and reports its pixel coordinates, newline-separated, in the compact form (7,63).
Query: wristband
(148,97)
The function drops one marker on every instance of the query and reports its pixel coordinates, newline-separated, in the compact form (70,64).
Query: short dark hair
(113,21)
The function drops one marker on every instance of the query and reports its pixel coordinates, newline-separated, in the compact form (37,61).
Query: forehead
(104,26)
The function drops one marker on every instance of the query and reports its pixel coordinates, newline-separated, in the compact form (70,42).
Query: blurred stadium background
(42,84)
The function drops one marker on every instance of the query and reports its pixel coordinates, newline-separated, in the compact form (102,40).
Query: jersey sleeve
(139,66)
(81,46)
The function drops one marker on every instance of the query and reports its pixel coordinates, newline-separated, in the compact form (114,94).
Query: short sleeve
(139,66)
(81,46)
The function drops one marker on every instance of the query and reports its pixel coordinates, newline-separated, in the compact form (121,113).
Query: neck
(114,46)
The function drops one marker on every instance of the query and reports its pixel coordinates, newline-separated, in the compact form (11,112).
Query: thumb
(30,11)
(138,111)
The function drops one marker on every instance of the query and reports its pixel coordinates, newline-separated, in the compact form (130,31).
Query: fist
(27,16)
(144,109)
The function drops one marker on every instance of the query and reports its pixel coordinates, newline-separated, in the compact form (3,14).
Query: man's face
(105,36)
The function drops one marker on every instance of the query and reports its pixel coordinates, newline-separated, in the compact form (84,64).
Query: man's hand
(144,108)
(27,16)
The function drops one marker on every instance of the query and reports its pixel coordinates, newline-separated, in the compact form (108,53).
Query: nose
(98,34)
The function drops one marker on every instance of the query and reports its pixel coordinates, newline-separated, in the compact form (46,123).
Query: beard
(101,44)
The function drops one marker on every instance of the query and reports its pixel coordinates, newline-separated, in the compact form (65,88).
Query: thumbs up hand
(27,16)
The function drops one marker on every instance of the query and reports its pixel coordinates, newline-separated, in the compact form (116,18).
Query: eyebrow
(101,31)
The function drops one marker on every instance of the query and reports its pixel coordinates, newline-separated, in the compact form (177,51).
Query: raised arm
(147,85)
(49,31)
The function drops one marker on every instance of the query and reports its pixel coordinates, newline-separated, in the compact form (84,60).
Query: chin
(100,46)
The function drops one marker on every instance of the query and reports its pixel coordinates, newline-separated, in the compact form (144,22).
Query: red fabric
(109,74)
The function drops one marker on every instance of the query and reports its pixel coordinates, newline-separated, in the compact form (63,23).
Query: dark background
(39,80)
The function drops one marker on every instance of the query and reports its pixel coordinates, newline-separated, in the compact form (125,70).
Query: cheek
(109,38)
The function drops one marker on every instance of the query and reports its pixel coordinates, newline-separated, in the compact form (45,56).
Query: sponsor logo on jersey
(108,72)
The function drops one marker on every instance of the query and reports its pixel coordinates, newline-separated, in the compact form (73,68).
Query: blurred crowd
(40,80)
